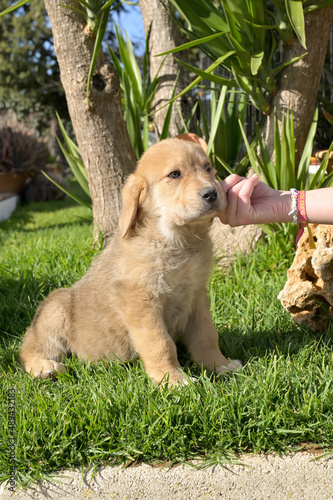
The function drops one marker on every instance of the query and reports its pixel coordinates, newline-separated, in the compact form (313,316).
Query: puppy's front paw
(233,366)
(53,370)
(173,378)
(186,380)
(47,368)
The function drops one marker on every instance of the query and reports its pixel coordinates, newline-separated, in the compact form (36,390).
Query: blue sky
(131,22)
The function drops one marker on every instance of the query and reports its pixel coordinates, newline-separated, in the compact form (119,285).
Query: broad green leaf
(202,15)
(98,43)
(217,118)
(295,14)
(237,106)
(194,43)
(73,158)
(282,66)
(71,146)
(107,5)
(75,165)
(71,195)
(224,165)
(320,179)
(186,122)
(268,168)
(234,29)
(13,7)
(327,181)
(285,157)
(277,147)
(208,75)
(203,74)
(303,167)
(250,151)
(204,119)
(166,125)
(244,17)
(256,61)
(130,64)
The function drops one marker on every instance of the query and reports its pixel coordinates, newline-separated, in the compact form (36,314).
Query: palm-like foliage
(137,90)
(242,36)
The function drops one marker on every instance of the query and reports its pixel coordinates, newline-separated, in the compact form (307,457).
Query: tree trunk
(299,82)
(164,36)
(99,125)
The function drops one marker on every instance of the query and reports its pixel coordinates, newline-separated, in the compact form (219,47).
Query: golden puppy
(148,286)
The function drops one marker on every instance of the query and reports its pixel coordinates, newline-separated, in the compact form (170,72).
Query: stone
(308,292)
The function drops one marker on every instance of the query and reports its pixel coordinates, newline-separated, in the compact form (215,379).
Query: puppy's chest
(176,287)
(172,276)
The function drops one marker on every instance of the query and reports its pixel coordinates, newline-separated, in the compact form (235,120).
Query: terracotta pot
(11,182)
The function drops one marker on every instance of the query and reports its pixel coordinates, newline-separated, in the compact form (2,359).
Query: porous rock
(308,293)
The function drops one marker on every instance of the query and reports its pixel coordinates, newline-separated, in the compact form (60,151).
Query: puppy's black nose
(209,194)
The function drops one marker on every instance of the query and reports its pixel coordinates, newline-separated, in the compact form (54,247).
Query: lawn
(111,413)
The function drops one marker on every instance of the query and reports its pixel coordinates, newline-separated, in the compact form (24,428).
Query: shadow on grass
(249,344)
(25,214)
(22,295)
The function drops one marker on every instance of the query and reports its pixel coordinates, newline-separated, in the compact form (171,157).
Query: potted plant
(21,156)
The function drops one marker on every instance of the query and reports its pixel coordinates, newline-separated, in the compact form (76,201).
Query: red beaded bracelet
(302,219)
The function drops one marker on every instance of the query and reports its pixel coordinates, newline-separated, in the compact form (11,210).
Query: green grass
(111,413)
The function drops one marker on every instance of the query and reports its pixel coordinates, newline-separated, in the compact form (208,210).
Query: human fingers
(239,209)
(233,184)
(247,187)
(231,181)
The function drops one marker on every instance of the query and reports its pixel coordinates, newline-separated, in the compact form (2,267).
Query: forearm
(253,202)
(318,206)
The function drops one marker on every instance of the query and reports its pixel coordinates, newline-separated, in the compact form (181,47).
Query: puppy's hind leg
(47,338)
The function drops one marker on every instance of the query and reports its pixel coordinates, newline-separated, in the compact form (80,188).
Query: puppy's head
(173,183)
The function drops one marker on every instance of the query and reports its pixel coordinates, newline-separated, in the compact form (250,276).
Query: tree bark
(164,36)
(299,82)
(99,125)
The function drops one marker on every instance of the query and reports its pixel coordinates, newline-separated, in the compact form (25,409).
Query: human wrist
(286,206)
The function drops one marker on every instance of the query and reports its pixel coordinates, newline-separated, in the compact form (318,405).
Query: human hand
(250,201)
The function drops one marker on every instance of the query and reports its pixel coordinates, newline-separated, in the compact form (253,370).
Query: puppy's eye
(175,174)
(207,167)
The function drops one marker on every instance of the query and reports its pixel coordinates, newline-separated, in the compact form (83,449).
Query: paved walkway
(260,478)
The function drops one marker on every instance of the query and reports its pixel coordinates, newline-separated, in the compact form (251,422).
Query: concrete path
(260,478)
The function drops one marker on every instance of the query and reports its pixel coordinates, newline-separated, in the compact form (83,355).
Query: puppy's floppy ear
(133,194)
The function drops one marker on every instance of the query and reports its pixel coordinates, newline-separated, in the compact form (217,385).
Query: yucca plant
(283,173)
(242,37)
(222,131)
(72,155)
(137,94)
(137,90)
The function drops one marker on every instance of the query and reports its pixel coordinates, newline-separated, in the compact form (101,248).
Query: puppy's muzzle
(209,194)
